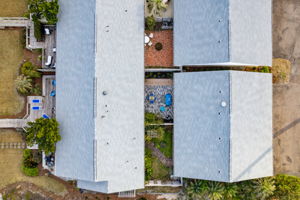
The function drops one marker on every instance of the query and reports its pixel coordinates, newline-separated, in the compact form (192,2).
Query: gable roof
(214,32)
(223,125)
(100,94)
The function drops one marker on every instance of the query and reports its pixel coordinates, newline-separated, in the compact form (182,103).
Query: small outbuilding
(222,32)
(223,125)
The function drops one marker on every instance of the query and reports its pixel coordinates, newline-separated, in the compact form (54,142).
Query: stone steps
(12,145)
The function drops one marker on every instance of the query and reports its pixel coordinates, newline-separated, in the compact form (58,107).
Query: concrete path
(286,98)
(14,22)
(32,42)
(161,157)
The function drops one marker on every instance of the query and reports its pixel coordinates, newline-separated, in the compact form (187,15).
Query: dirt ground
(286,101)
(11,57)
(13,8)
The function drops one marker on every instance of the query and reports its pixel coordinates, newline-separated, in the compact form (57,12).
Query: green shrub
(265,69)
(28,159)
(36,90)
(150,23)
(30,70)
(151,118)
(30,171)
(158,46)
(142,198)
(23,38)
(44,9)
(148,165)
(38,30)
(23,84)
(44,132)
(29,166)
(287,187)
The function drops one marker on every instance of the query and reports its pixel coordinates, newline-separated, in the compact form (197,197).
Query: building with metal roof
(100,94)
(223,125)
(222,32)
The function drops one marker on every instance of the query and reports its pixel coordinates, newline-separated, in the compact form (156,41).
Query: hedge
(30,171)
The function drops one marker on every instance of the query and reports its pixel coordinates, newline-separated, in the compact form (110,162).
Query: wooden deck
(49,101)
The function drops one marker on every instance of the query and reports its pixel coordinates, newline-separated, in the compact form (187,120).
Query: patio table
(147,39)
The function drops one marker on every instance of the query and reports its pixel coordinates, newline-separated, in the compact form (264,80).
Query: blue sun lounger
(36,101)
(52,93)
(36,108)
(45,116)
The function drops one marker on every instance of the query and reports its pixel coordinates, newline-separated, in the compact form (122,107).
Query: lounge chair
(45,116)
(52,93)
(36,108)
(49,60)
(36,101)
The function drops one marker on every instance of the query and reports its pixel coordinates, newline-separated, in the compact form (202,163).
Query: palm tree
(156,6)
(23,84)
(231,191)
(264,188)
(215,190)
(194,189)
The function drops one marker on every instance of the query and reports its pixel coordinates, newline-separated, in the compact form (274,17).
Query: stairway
(127,194)
(12,145)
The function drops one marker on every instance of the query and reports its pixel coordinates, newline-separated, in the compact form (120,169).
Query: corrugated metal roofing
(100,94)
(223,125)
(226,31)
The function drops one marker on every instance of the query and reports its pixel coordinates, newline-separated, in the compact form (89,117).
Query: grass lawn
(11,57)
(13,8)
(10,167)
(165,143)
(160,172)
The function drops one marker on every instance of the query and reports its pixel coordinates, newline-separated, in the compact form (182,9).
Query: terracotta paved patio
(163,57)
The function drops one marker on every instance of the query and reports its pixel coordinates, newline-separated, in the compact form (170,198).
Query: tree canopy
(43,9)
(30,70)
(281,187)
(23,84)
(44,132)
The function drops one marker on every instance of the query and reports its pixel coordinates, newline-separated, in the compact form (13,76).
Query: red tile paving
(163,57)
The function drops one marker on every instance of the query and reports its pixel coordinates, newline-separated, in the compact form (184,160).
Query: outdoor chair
(49,60)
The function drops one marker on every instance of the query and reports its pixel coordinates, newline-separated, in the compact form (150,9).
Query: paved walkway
(31,114)
(31,42)
(14,22)
(161,157)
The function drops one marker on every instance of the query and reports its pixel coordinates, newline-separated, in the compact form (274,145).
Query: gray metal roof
(226,32)
(74,91)
(226,143)
(100,94)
